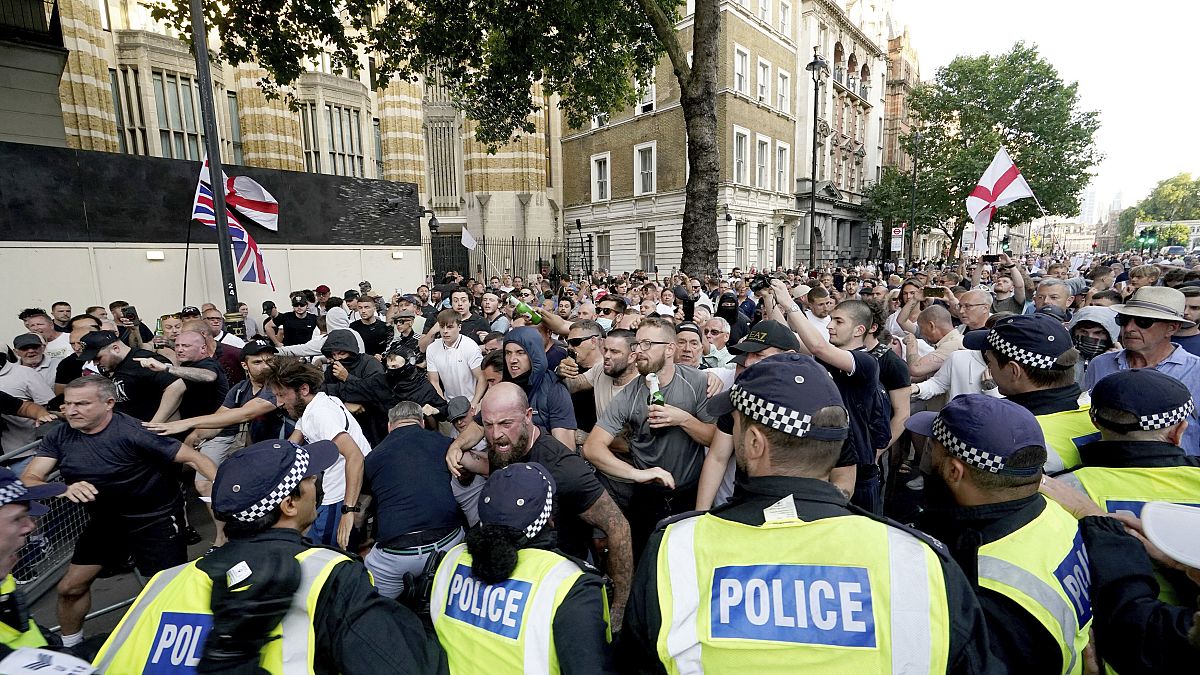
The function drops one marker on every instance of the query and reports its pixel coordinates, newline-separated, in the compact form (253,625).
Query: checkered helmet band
(773,415)
(290,480)
(12,492)
(1019,354)
(980,459)
(1166,419)
(536,526)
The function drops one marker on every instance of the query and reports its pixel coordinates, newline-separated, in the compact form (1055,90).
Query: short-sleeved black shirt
(296,329)
(68,369)
(9,404)
(375,336)
(893,371)
(408,476)
(127,464)
(859,390)
(203,398)
(577,489)
(139,389)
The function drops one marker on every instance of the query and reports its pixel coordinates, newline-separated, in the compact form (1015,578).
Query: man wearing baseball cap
(1025,551)
(779,579)
(1148,320)
(1142,417)
(555,616)
(1032,360)
(267,595)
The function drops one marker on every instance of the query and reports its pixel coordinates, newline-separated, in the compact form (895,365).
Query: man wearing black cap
(142,393)
(1142,416)
(268,596)
(295,327)
(779,579)
(1032,360)
(1024,552)
(125,477)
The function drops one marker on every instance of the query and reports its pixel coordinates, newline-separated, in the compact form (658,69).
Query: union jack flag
(247,257)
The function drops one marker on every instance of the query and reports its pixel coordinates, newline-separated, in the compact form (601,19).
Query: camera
(760,282)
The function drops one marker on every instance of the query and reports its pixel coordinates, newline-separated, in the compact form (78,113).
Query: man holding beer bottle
(662,417)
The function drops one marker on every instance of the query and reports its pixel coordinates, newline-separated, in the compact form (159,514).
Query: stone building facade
(624,175)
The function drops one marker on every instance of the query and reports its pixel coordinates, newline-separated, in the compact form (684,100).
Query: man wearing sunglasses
(1148,320)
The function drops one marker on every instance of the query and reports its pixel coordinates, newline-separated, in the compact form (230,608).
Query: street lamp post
(819,69)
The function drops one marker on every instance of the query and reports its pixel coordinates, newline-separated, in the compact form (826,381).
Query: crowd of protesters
(998,444)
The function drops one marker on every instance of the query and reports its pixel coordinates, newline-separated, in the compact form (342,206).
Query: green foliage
(978,103)
(1175,198)
(490,53)
(1175,234)
(889,199)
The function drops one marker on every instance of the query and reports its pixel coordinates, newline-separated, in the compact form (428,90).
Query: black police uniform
(1049,401)
(1015,637)
(814,499)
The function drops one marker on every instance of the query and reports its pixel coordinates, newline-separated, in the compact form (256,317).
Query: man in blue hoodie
(526,366)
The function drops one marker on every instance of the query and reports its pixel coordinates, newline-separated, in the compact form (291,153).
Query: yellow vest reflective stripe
(848,593)
(10,635)
(164,630)
(1130,488)
(1065,433)
(508,626)
(1043,568)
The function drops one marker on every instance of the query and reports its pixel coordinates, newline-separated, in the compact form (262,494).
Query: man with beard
(321,417)
(607,378)
(666,441)
(1025,551)
(582,502)
(147,395)
(585,344)
(739,325)
(789,528)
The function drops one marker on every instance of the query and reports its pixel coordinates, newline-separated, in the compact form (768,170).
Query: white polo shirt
(453,365)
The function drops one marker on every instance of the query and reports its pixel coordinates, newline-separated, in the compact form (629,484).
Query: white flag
(1001,184)
(467,239)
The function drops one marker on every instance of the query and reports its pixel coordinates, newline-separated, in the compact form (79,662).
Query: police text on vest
(178,643)
(498,608)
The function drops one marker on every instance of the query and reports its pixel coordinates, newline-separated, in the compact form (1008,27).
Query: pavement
(122,587)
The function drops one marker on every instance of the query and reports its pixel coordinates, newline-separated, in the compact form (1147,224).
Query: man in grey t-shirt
(666,442)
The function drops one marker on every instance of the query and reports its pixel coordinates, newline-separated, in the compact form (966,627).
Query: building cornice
(836,15)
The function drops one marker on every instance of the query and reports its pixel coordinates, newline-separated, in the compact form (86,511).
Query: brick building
(624,175)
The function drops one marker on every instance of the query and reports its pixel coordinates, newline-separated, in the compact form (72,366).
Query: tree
(1175,198)
(978,103)
(1175,234)
(491,55)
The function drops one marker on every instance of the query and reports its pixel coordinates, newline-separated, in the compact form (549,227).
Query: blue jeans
(867,490)
(324,528)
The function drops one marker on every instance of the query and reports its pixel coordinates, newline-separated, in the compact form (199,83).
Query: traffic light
(1151,236)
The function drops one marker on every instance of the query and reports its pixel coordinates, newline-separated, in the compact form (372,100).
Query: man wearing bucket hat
(268,596)
(507,594)
(1032,361)
(1148,319)
(754,585)
(1024,551)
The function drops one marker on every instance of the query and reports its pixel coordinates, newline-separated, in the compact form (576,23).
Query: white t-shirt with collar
(454,364)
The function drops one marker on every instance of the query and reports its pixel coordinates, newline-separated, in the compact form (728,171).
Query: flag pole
(233,318)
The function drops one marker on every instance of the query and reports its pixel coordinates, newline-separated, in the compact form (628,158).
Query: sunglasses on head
(1139,321)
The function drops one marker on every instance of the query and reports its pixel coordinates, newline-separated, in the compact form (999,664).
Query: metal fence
(496,256)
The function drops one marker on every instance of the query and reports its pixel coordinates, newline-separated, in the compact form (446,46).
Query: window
(309,140)
(764,10)
(785,17)
(646,249)
(689,8)
(646,103)
(762,163)
(760,246)
(739,244)
(783,93)
(764,81)
(782,164)
(116,96)
(644,168)
(176,97)
(600,178)
(741,148)
(442,143)
(741,70)
(235,127)
(378,147)
(345,140)
(603,252)
(127,102)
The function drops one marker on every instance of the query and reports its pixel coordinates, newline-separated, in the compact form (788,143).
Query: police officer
(268,601)
(1032,360)
(788,577)
(1024,552)
(505,596)
(1142,415)
(21,641)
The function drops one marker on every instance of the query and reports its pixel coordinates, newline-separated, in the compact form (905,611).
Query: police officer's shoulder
(354,557)
(583,565)
(662,524)
(933,542)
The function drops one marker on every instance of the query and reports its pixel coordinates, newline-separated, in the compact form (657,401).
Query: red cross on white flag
(1001,184)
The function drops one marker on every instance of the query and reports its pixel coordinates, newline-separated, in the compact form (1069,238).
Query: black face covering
(402,374)
(1090,347)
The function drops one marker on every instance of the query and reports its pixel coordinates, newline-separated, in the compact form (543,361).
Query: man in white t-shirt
(453,361)
(320,417)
